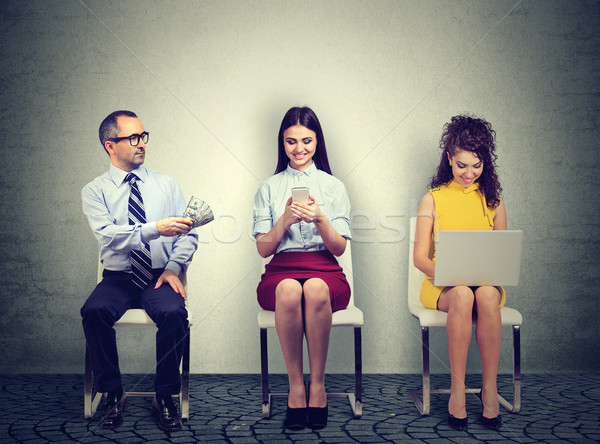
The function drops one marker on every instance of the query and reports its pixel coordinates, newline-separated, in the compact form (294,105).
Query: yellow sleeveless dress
(457,208)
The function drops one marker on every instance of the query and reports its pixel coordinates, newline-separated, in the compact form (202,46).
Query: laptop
(476,258)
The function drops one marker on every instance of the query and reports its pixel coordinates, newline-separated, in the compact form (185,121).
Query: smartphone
(300,194)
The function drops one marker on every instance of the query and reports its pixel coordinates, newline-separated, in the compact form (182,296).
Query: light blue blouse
(329,192)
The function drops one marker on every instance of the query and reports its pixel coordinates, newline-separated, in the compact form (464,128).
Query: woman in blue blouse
(303,283)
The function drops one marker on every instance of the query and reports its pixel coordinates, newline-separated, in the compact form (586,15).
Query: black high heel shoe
(490,423)
(458,423)
(295,418)
(316,416)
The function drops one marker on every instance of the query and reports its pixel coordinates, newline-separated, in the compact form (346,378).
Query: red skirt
(304,265)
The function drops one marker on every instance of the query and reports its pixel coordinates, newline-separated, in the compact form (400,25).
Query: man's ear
(109,147)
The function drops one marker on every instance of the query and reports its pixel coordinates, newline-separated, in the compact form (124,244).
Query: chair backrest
(100,270)
(345,261)
(415,276)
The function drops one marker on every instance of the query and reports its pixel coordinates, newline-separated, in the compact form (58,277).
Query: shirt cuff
(261,227)
(149,232)
(342,226)
(174,267)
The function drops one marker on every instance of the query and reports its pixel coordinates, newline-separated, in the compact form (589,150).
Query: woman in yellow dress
(465,195)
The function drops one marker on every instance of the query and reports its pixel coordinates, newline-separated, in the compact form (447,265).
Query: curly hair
(475,135)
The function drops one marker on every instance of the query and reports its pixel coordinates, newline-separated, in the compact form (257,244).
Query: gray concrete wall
(211,81)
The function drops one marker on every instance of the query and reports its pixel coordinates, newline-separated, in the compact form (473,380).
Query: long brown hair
(306,117)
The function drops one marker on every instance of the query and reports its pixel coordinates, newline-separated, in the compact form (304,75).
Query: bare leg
(489,330)
(290,329)
(317,314)
(458,303)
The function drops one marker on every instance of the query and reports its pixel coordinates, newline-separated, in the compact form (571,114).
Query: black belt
(156,272)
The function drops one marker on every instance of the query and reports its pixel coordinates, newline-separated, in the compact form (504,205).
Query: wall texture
(211,81)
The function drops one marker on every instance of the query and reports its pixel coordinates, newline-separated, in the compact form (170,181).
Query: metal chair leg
(515,407)
(516,369)
(357,404)
(264,371)
(90,402)
(355,398)
(426,375)
(185,378)
(424,405)
(87,386)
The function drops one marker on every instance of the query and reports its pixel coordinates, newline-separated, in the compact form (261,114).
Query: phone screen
(300,194)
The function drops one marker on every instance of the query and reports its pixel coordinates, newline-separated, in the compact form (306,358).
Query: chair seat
(349,317)
(137,317)
(434,318)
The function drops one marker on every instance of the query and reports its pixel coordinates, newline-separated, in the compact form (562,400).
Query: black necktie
(141,260)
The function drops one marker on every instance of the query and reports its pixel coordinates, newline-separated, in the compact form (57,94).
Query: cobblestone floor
(227,409)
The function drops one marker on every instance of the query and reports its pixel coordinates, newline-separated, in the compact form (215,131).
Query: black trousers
(108,302)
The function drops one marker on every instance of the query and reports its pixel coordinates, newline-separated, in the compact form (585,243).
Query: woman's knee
(461,298)
(288,294)
(316,294)
(487,298)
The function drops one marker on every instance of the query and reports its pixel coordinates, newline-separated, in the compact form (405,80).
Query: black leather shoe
(317,417)
(492,423)
(168,414)
(295,419)
(458,423)
(112,415)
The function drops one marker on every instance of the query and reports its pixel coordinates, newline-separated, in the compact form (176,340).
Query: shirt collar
(118,175)
(459,187)
(307,172)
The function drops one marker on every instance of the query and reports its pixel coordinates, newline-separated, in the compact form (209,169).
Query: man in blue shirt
(145,245)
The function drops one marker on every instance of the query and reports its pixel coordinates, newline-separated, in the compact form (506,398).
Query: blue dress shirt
(105,203)
(329,192)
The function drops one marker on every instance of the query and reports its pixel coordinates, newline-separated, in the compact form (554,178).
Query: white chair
(434,318)
(349,317)
(137,317)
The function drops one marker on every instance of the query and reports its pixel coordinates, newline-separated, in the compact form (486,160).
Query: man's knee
(94,308)
(108,301)
(173,311)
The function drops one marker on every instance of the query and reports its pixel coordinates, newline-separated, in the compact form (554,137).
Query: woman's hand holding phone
(288,215)
(307,211)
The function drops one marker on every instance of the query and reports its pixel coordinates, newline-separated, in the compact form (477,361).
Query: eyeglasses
(134,139)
